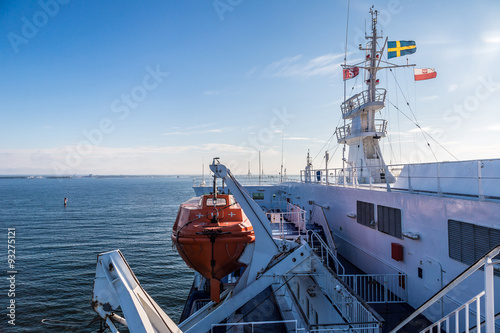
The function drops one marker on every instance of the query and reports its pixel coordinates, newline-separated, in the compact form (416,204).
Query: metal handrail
(344,131)
(356,101)
(379,288)
(466,306)
(325,252)
(253,323)
(439,182)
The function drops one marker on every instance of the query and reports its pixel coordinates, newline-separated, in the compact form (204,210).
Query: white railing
(478,179)
(343,132)
(318,217)
(358,100)
(380,126)
(463,323)
(294,216)
(324,252)
(454,317)
(245,180)
(379,288)
(239,326)
(358,328)
(353,176)
(352,308)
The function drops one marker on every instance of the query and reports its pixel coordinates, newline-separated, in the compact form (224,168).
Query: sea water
(56,246)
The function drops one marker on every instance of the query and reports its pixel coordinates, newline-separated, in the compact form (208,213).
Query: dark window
(468,242)
(365,213)
(389,221)
(258,196)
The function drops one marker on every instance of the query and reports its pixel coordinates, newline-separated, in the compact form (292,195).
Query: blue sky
(158,87)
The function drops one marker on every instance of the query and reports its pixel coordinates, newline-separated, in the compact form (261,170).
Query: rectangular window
(219,202)
(468,242)
(389,221)
(258,196)
(365,213)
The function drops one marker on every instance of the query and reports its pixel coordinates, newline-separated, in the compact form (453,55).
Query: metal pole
(489,296)
(326,166)
(259,169)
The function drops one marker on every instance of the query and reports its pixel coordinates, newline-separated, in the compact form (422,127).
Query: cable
(423,131)
(323,146)
(414,116)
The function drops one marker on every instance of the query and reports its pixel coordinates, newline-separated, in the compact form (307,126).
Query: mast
(361,131)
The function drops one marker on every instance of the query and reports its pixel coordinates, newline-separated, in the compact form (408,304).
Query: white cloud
(493,128)
(73,159)
(251,71)
(418,130)
(491,37)
(429,98)
(191,130)
(327,64)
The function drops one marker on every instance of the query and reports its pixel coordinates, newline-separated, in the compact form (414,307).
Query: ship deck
(393,313)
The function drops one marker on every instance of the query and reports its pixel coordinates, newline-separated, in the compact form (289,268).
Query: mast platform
(349,132)
(361,102)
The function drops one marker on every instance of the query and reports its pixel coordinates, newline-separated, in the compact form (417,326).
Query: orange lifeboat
(210,234)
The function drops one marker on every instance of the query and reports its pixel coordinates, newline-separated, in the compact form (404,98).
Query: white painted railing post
(480,191)
(440,191)
(478,315)
(410,189)
(489,296)
(386,294)
(467,315)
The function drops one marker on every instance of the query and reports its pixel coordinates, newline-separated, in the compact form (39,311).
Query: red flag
(351,72)
(424,73)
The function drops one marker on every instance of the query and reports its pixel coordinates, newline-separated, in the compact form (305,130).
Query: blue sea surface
(57,246)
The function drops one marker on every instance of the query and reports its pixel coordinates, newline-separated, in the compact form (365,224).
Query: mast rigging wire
(423,132)
(415,122)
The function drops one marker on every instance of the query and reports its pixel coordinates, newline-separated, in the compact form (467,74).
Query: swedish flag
(400,48)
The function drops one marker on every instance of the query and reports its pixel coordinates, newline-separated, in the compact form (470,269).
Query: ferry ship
(339,248)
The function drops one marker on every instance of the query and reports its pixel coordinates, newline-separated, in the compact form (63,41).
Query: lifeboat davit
(210,234)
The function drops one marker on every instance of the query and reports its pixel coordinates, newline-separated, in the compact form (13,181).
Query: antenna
(282,139)
(260,172)
(327,157)
(203,172)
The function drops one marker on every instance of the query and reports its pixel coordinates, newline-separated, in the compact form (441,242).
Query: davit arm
(265,246)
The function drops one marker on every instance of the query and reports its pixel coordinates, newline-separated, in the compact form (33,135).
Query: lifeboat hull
(211,238)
